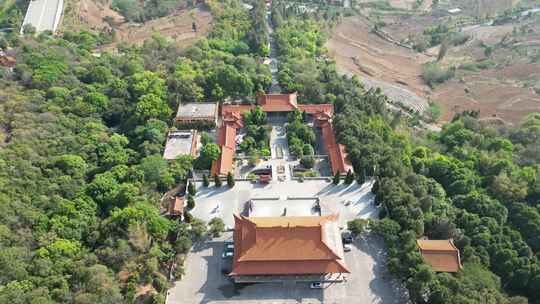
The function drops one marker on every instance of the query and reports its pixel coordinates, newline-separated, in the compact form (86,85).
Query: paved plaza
(350,201)
(367,283)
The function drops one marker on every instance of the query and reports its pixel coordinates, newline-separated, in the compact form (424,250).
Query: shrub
(349,178)
(307,161)
(190,202)
(458,39)
(230,180)
(205,180)
(357,226)
(435,74)
(217,181)
(183,244)
(433,112)
(336,179)
(216,226)
(191,189)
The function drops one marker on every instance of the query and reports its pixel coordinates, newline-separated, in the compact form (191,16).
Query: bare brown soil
(497,92)
(359,51)
(92,15)
(493,97)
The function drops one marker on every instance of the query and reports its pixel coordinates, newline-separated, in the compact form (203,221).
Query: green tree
(216,227)
(209,153)
(190,202)
(152,106)
(230,180)
(191,189)
(349,178)
(217,180)
(357,226)
(336,178)
(308,161)
(183,244)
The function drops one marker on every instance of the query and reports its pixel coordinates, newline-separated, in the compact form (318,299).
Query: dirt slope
(93,14)
(497,92)
(363,53)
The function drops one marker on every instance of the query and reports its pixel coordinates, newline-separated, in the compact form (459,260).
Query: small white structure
(454,11)
(44,15)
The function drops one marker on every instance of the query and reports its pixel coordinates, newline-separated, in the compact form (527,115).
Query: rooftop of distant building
(195,110)
(442,255)
(181,143)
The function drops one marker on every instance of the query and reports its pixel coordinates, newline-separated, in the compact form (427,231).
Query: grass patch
(477,66)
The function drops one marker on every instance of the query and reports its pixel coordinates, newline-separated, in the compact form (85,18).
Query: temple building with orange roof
(231,120)
(303,248)
(441,255)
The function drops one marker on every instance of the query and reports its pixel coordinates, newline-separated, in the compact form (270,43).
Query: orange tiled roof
(238,109)
(232,120)
(316,108)
(224,164)
(336,152)
(227,142)
(442,255)
(285,245)
(278,102)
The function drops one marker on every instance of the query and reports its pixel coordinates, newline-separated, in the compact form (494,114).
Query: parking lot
(368,281)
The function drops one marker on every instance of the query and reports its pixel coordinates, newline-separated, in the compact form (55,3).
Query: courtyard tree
(205,180)
(217,180)
(361,177)
(191,188)
(308,161)
(337,178)
(198,228)
(190,202)
(349,179)
(357,226)
(230,180)
(216,227)
(209,153)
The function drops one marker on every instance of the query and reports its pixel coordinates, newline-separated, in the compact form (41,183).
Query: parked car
(346,237)
(347,247)
(227,255)
(229,246)
(316,285)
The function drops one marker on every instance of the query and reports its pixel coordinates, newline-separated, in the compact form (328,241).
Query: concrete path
(44,15)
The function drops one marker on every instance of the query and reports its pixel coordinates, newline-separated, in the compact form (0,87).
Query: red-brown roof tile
(442,255)
(336,152)
(278,102)
(285,245)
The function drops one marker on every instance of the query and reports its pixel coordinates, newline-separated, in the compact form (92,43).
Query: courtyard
(368,282)
(350,201)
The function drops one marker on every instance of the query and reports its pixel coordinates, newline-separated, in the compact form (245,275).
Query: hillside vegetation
(81,171)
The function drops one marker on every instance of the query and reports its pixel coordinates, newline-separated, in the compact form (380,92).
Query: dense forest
(81,172)
(473,183)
